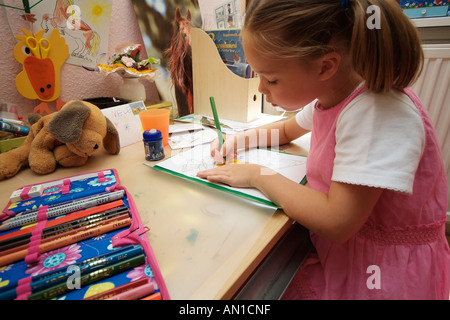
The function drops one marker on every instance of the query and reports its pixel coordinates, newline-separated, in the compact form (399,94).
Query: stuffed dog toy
(67,137)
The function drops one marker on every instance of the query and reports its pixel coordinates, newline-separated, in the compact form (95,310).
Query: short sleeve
(304,117)
(379,142)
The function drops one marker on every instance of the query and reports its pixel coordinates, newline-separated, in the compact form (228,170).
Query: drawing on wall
(221,14)
(227,15)
(83,23)
(42,59)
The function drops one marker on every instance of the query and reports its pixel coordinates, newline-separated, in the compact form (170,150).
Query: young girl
(376,198)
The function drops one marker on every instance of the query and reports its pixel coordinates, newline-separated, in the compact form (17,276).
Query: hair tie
(345,4)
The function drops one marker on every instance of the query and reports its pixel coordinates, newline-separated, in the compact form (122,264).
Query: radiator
(433,88)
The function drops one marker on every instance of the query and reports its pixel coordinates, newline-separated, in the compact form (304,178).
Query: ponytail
(388,54)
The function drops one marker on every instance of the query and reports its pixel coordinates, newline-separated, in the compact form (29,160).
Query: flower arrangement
(128,58)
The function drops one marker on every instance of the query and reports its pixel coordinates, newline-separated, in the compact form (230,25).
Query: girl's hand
(235,175)
(227,150)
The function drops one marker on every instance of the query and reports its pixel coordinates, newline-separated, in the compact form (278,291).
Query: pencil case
(95,265)
(58,192)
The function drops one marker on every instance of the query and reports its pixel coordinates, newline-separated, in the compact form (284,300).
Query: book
(229,45)
(186,165)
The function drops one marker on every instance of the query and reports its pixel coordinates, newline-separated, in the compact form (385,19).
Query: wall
(76,82)
(432,86)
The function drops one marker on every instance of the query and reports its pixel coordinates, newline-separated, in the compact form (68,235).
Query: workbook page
(189,162)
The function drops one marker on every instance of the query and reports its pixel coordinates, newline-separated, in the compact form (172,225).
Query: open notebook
(186,165)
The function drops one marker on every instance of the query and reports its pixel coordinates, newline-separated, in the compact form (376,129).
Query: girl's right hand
(226,152)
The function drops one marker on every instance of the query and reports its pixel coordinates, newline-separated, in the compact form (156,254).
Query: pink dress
(401,251)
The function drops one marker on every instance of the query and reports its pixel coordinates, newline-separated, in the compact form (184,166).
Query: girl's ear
(329,65)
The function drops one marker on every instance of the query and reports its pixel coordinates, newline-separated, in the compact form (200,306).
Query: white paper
(126,119)
(190,162)
(183,140)
(263,119)
(184,127)
(230,126)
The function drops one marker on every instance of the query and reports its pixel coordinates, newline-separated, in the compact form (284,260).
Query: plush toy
(67,137)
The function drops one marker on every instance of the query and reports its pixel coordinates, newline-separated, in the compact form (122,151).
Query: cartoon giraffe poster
(83,23)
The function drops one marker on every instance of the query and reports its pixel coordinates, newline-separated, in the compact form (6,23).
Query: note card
(126,120)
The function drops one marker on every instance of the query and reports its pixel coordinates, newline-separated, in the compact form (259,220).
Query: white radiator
(433,88)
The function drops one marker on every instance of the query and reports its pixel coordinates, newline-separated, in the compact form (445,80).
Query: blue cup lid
(152,134)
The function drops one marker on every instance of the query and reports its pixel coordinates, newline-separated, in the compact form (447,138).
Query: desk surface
(192,227)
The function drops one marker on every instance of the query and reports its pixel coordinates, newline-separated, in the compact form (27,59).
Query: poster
(221,14)
(83,23)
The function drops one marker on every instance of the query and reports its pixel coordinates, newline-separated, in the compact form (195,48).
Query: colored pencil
(135,293)
(114,291)
(60,275)
(60,210)
(64,241)
(14,128)
(67,202)
(67,218)
(58,229)
(84,221)
(92,277)
(56,276)
(66,233)
(12,121)
(217,121)
(56,210)
(155,296)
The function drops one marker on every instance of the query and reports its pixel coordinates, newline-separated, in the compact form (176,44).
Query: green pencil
(90,278)
(216,120)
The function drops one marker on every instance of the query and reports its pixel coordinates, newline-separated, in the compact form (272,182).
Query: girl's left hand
(235,175)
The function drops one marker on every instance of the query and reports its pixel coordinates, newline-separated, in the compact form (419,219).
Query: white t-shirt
(379,140)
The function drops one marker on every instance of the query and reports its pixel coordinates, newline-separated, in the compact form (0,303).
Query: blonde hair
(386,57)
